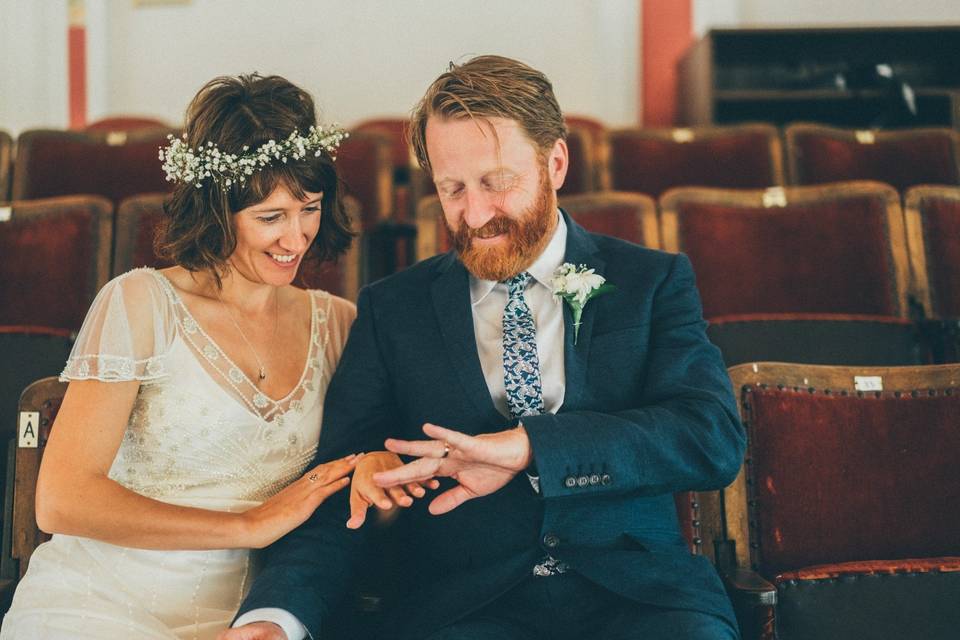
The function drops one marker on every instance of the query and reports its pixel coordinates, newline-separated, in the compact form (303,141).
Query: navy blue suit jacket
(648,409)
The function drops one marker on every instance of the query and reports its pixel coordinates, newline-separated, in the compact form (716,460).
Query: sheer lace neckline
(223,369)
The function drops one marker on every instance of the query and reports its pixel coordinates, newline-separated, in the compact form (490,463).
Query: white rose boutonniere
(577,286)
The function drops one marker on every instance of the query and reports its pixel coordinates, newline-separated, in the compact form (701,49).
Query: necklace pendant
(263,374)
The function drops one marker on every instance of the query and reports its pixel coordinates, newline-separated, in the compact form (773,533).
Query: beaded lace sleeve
(126,333)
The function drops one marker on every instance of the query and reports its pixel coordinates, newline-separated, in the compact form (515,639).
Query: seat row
(843,248)
(838,526)
(56,254)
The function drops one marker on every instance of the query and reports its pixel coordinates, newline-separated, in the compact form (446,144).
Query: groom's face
(498,192)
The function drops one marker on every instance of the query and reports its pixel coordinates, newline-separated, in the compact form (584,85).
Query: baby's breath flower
(183,164)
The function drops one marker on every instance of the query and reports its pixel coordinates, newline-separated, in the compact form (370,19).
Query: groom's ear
(558,162)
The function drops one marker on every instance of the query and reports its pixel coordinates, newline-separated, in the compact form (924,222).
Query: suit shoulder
(621,252)
(410,281)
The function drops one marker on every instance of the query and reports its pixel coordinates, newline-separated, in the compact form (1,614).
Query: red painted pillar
(77,64)
(666,32)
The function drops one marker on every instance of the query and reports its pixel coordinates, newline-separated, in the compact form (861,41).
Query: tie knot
(517,283)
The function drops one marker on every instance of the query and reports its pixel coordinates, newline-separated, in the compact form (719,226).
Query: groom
(558,447)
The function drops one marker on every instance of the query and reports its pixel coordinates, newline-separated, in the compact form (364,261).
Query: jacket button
(605,479)
(570,482)
(551,541)
(595,479)
(583,481)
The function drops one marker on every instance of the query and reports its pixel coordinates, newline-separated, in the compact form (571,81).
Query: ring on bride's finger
(313,477)
(446,450)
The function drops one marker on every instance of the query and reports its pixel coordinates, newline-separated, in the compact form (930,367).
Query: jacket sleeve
(310,571)
(682,433)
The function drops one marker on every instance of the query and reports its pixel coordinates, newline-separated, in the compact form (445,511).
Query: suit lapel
(581,250)
(451,303)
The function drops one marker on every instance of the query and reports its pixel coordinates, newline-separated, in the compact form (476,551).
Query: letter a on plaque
(29,429)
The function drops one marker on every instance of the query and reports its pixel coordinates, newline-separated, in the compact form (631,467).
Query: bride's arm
(76,497)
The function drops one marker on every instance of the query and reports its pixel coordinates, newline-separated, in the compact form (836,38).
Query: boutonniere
(577,286)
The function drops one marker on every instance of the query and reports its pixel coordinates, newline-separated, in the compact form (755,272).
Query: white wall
(739,13)
(850,12)
(33,64)
(363,58)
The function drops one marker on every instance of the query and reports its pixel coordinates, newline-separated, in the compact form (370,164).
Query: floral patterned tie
(521,377)
(521,366)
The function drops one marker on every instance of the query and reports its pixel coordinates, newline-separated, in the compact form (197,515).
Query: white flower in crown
(185,164)
(577,286)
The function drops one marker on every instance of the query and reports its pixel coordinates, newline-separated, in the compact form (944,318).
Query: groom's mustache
(495,226)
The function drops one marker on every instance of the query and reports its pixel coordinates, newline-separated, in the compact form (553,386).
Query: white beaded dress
(201,435)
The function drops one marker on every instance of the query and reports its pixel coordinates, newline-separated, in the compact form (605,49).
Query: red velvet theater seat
(410,183)
(6,164)
(842,520)
(55,257)
(837,249)
(583,155)
(819,339)
(651,161)
(629,216)
(432,235)
(364,165)
(818,154)
(137,223)
(126,123)
(933,233)
(114,165)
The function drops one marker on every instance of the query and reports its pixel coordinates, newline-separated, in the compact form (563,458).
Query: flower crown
(184,164)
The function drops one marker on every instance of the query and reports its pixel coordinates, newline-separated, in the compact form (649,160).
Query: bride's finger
(329,471)
(415,489)
(324,491)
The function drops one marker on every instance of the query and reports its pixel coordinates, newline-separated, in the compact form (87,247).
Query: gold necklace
(262,373)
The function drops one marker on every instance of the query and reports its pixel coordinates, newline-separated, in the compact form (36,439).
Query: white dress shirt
(488,299)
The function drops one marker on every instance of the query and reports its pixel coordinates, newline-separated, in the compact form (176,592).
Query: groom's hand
(364,492)
(254,631)
(480,464)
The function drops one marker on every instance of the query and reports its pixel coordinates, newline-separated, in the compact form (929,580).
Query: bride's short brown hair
(233,113)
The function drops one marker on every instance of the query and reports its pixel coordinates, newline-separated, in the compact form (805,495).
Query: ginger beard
(526,238)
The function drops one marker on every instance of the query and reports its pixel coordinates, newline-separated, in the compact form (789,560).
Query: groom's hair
(490,87)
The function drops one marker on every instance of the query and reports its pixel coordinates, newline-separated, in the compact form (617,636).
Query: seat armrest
(754,602)
(750,587)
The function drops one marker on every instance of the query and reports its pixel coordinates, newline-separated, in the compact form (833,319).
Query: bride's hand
(291,507)
(364,493)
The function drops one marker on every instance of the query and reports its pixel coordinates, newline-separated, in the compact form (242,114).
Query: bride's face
(273,236)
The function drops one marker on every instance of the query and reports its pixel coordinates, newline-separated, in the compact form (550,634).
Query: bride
(196,392)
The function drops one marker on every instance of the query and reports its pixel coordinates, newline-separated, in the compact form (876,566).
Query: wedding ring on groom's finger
(446,450)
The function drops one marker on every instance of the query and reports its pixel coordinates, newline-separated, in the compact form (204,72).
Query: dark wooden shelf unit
(819,74)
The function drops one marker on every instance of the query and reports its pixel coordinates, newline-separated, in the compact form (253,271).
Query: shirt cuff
(280,617)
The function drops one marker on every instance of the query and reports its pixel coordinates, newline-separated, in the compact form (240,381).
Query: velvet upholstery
(840,478)
(818,339)
(56,256)
(364,166)
(6,164)
(933,229)
(581,172)
(844,502)
(838,249)
(628,216)
(126,123)
(136,227)
(819,154)
(55,163)
(652,161)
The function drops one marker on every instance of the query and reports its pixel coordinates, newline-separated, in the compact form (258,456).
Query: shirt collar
(542,269)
